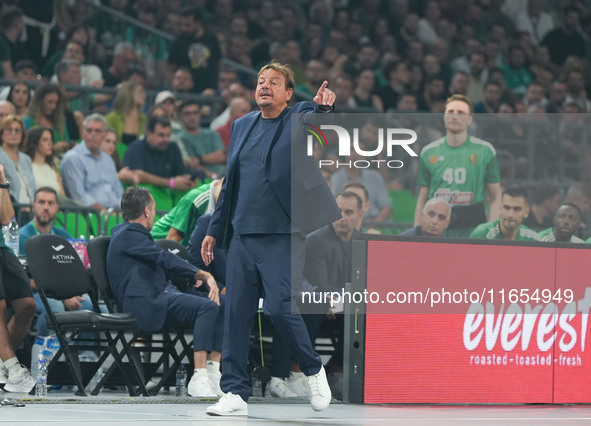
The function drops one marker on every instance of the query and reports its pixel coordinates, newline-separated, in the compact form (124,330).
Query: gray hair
(64,66)
(121,47)
(437,200)
(95,117)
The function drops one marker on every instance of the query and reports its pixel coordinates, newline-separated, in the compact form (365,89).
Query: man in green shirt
(179,223)
(566,223)
(461,168)
(513,210)
(204,146)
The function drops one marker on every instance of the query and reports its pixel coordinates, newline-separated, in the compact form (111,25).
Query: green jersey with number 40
(458,174)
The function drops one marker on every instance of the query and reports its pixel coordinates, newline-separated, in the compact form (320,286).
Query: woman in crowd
(127,118)
(47,108)
(109,147)
(364,91)
(40,150)
(19,95)
(17,164)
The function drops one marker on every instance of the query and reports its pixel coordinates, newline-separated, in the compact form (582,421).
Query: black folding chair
(173,247)
(162,342)
(59,274)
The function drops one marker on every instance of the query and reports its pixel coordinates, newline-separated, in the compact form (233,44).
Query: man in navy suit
(265,208)
(139,274)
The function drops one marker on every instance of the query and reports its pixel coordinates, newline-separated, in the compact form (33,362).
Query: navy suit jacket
(139,273)
(301,190)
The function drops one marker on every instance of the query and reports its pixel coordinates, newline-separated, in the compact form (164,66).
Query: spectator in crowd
(517,76)
(15,291)
(566,40)
(6,108)
(433,93)
(380,207)
(534,95)
(11,50)
(398,80)
(478,76)
(24,71)
(491,99)
(182,81)
(127,118)
(149,48)
(156,160)
(45,208)
(556,97)
(204,146)
(461,168)
(361,191)
(545,201)
(235,90)
(123,58)
(343,88)
(68,73)
(513,209)
(534,20)
(575,91)
(138,273)
(40,149)
(315,74)
(364,93)
(459,83)
(435,219)
(47,108)
(90,176)
(196,49)
(20,96)
(167,101)
(90,74)
(179,223)
(565,225)
(109,146)
(239,107)
(462,63)
(17,165)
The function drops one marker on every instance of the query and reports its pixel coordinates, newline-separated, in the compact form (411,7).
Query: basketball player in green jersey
(461,168)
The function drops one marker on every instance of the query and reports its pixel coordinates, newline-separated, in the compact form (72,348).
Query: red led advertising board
(510,335)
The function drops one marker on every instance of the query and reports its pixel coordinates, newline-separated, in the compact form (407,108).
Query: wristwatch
(5,185)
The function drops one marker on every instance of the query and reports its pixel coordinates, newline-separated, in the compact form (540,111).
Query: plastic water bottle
(45,348)
(41,387)
(11,236)
(256,383)
(98,376)
(181,381)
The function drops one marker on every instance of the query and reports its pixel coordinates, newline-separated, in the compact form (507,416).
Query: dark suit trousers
(267,260)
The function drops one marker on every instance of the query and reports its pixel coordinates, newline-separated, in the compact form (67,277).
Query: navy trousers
(272,262)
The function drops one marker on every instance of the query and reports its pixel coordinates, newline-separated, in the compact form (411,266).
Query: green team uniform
(460,175)
(183,217)
(492,231)
(549,236)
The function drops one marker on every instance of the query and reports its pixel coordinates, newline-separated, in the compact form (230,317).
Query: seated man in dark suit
(138,273)
(435,219)
(217,267)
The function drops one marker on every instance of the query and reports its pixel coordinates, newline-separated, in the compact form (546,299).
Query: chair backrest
(56,267)
(173,247)
(97,255)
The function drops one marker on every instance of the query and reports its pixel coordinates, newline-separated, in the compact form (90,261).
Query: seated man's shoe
(229,405)
(297,383)
(215,376)
(320,394)
(278,388)
(3,376)
(20,381)
(201,386)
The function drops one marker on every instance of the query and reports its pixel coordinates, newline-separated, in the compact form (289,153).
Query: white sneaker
(278,388)
(201,386)
(3,376)
(229,405)
(320,394)
(214,376)
(297,383)
(20,381)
